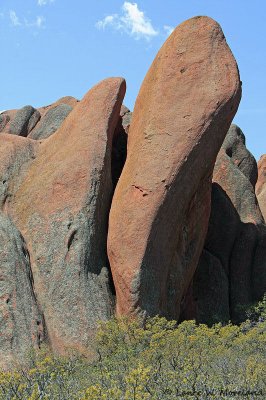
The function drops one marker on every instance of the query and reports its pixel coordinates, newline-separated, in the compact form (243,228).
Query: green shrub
(161,361)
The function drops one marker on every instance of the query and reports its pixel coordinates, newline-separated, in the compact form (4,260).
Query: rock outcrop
(24,121)
(38,123)
(57,192)
(236,239)
(160,210)
(261,185)
(61,207)
(51,121)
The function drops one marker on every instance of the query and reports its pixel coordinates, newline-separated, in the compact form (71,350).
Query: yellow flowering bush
(155,360)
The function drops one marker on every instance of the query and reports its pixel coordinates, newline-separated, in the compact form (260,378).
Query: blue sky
(53,48)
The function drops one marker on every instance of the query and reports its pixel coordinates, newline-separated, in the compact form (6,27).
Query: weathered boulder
(61,207)
(261,185)
(234,146)
(4,119)
(160,210)
(51,121)
(21,322)
(24,121)
(236,236)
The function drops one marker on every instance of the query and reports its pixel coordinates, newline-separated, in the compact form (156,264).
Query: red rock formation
(58,194)
(236,239)
(160,211)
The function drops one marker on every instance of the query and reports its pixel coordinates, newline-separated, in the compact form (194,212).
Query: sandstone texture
(61,207)
(16,154)
(55,196)
(160,210)
(51,121)
(261,185)
(4,119)
(24,120)
(235,239)
(21,322)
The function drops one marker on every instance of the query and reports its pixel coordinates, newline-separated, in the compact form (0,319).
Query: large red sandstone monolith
(261,185)
(61,207)
(160,210)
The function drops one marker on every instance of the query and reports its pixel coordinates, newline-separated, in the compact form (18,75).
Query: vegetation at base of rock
(159,360)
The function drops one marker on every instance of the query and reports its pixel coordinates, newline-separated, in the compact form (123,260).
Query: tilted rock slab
(61,208)
(236,239)
(261,185)
(160,210)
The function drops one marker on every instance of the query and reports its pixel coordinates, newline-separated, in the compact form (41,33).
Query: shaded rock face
(61,207)
(21,322)
(119,149)
(235,242)
(51,121)
(212,274)
(25,120)
(261,185)
(235,147)
(160,210)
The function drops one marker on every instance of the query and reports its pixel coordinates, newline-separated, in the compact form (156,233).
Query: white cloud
(136,22)
(132,21)
(15,21)
(38,23)
(44,2)
(168,29)
(109,20)
(14,18)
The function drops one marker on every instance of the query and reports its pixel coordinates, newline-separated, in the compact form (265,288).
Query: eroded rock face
(119,149)
(236,236)
(61,207)
(25,120)
(21,322)
(261,185)
(160,210)
(51,121)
